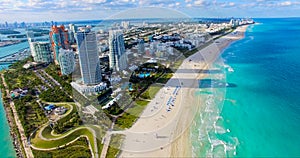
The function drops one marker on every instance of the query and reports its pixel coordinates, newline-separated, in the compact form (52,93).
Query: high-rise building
(41,52)
(30,37)
(125,24)
(6,24)
(141,46)
(72,33)
(66,60)
(117,55)
(88,57)
(59,38)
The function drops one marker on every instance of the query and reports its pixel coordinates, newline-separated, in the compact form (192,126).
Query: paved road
(106,139)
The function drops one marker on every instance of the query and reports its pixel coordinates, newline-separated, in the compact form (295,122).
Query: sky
(68,10)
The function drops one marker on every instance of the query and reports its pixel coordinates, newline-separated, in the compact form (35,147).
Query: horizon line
(83,20)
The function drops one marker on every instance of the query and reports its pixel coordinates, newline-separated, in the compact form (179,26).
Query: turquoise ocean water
(260,114)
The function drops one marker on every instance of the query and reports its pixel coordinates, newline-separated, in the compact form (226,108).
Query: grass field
(115,144)
(130,116)
(165,78)
(79,148)
(153,89)
(40,143)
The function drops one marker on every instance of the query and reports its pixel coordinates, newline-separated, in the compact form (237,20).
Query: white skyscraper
(66,61)
(125,24)
(72,32)
(88,57)
(41,52)
(117,55)
(30,37)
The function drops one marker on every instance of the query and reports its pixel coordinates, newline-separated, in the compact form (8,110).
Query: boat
(230,69)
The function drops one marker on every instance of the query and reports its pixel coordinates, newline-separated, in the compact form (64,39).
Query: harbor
(11,54)
(17,56)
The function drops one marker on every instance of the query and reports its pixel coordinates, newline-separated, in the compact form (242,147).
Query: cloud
(172,5)
(227,4)
(93,1)
(77,7)
(189,5)
(199,2)
(285,3)
(90,5)
(231,4)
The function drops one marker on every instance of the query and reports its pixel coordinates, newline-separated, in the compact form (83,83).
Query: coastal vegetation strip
(128,118)
(153,89)
(23,139)
(14,132)
(115,145)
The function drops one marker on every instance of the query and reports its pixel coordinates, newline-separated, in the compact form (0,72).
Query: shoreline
(19,138)
(184,142)
(140,138)
(14,137)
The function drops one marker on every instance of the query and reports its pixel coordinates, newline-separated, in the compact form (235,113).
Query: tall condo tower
(72,33)
(141,46)
(59,38)
(117,55)
(30,37)
(66,61)
(41,52)
(88,57)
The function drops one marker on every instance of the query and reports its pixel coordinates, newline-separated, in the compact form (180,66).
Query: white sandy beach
(163,128)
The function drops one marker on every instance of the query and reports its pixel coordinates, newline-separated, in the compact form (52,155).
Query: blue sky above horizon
(65,10)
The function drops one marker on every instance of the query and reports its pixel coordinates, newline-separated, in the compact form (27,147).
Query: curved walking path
(48,149)
(49,140)
(57,137)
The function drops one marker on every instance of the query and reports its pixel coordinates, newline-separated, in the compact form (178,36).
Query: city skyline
(150,81)
(41,10)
